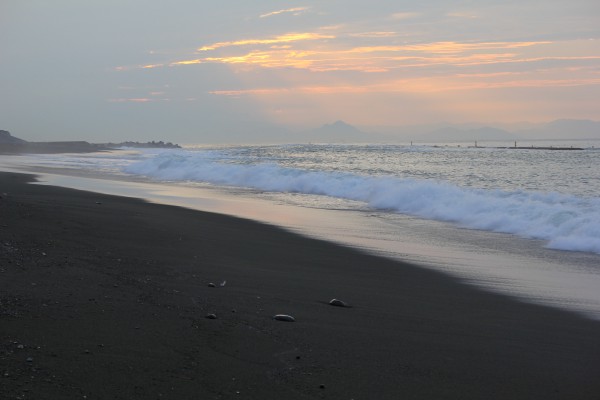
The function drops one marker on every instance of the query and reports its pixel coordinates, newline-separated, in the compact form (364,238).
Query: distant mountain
(5,137)
(338,132)
(564,129)
(453,134)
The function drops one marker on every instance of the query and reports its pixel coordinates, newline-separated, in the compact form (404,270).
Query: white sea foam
(566,222)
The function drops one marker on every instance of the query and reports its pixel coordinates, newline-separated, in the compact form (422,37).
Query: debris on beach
(223,283)
(338,303)
(284,317)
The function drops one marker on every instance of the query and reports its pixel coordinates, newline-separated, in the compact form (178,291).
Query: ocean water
(548,195)
(523,222)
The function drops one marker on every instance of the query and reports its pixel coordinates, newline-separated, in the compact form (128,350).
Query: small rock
(211,316)
(338,303)
(284,317)
(212,285)
(29,359)
(321,386)
(20,346)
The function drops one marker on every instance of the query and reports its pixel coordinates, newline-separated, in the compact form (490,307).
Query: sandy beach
(105,297)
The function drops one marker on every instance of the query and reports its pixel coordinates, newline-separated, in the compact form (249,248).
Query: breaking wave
(566,222)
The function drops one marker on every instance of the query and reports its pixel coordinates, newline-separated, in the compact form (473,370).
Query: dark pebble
(284,317)
(338,303)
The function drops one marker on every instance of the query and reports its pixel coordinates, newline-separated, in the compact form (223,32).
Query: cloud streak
(286,38)
(420,85)
(295,10)
(332,53)
(405,15)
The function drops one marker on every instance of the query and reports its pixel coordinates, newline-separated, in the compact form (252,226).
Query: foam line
(566,222)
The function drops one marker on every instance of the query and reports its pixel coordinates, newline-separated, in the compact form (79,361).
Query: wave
(566,222)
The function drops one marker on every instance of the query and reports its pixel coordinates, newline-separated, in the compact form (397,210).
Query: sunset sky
(193,71)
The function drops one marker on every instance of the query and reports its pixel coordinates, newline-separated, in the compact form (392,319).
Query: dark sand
(105,298)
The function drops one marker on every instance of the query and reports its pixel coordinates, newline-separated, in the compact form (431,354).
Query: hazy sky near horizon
(197,71)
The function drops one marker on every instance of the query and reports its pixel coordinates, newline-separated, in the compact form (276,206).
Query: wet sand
(106,297)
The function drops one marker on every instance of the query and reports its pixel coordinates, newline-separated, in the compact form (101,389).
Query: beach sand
(105,297)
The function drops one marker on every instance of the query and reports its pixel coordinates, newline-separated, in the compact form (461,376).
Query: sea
(523,222)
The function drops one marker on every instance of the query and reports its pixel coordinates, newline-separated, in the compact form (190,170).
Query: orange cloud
(455,47)
(370,58)
(418,85)
(386,34)
(287,38)
(187,62)
(424,67)
(150,66)
(377,58)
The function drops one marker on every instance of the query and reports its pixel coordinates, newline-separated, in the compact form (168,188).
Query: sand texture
(105,297)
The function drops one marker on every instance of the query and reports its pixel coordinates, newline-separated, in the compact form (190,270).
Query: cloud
(150,66)
(295,10)
(327,53)
(405,15)
(286,38)
(418,85)
(187,62)
(335,55)
(463,14)
(374,34)
(458,47)
(378,58)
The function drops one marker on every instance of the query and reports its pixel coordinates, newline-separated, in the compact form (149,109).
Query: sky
(196,71)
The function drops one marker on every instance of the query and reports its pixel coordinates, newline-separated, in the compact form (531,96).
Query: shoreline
(502,263)
(106,297)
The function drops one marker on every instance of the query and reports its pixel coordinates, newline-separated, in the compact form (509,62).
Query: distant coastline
(153,144)
(12,145)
